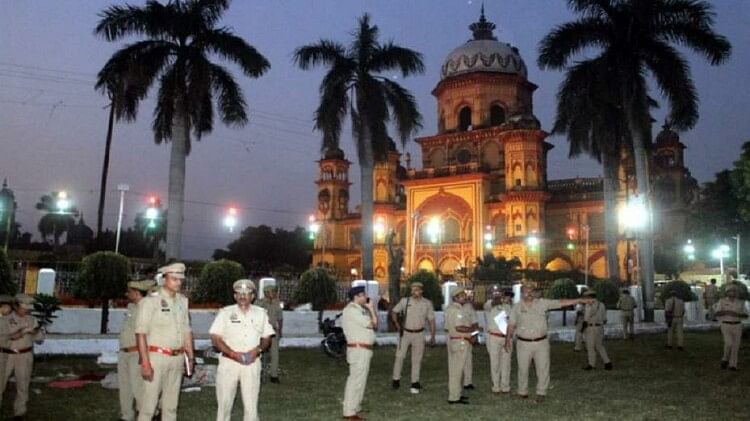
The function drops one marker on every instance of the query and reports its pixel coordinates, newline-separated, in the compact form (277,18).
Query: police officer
(730,311)
(414,311)
(165,344)
(458,324)
(594,319)
(528,320)
(468,376)
(500,358)
(6,308)
(674,312)
(578,346)
(24,330)
(271,303)
(627,305)
(359,322)
(241,332)
(130,382)
(710,296)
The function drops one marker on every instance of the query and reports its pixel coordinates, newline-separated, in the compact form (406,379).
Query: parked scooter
(334,341)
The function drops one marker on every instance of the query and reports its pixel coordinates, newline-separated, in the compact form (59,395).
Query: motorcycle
(334,341)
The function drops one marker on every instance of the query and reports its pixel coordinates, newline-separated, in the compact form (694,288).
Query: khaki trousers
(732,335)
(359,367)
(166,382)
(21,366)
(130,384)
(675,330)
(539,353)
(469,367)
(595,344)
(458,351)
(415,340)
(500,362)
(274,357)
(228,374)
(710,307)
(628,324)
(579,337)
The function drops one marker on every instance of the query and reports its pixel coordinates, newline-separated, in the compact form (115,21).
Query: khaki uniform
(595,314)
(129,378)
(5,333)
(275,317)
(165,321)
(241,332)
(417,311)
(627,305)
(469,368)
(530,321)
(579,329)
(20,361)
(459,346)
(359,337)
(731,328)
(677,307)
(500,359)
(710,297)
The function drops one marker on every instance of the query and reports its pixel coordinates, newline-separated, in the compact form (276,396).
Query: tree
(634,39)
(607,292)
(354,86)
(215,285)
(7,286)
(56,221)
(103,276)
(178,39)
(496,269)
(680,289)
(263,249)
(45,307)
(431,289)
(740,180)
(563,288)
(317,288)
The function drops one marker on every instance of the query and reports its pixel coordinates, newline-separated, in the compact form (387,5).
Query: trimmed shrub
(607,292)
(431,289)
(743,294)
(316,287)
(7,286)
(563,288)
(681,290)
(215,284)
(103,276)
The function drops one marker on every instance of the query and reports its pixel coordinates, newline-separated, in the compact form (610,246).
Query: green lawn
(648,383)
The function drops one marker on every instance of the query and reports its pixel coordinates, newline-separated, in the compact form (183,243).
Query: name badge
(165,310)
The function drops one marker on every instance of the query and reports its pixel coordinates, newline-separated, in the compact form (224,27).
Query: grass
(648,383)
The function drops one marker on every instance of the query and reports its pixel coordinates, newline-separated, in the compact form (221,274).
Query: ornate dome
(483,53)
(333,153)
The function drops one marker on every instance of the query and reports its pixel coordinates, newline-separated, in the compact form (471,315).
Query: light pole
(314,227)
(721,253)
(230,219)
(738,255)
(378,228)
(533,242)
(586,231)
(634,217)
(689,250)
(122,188)
(434,230)
(488,239)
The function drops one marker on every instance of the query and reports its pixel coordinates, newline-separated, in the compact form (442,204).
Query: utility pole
(122,188)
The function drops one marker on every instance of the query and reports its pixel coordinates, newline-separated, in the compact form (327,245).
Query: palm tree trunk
(176,199)
(610,214)
(105,316)
(366,166)
(105,171)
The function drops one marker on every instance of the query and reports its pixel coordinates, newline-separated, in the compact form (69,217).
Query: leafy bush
(316,287)
(563,288)
(45,307)
(103,276)
(431,289)
(607,292)
(743,294)
(681,290)
(7,286)
(215,283)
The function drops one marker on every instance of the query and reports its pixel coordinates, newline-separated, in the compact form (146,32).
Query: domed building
(482,186)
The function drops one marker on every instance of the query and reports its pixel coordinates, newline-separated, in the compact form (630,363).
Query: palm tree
(354,86)
(178,39)
(635,39)
(56,221)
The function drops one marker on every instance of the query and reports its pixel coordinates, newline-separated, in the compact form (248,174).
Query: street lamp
(152,211)
(721,253)
(230,219)
(434,229)
(314,227)
(634,215)
(488,237)
(533,241)
(379,228)
(689,250)
(122,188)
(63,202)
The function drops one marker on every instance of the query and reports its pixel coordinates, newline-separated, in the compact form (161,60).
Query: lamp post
(378,228)
(689,250)
(738,255)
(635,217)
(533,242)
(488,239)
(434,230)
(586,231)
(721,253)
(122,188)
(314,227)
(230,219)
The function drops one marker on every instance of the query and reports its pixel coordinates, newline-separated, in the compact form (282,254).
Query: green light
(312,235)
(571,246)
(151,224)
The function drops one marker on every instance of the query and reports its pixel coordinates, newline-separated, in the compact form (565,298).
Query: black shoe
(464,398)
(608,366)
(275,380)
(469,387)
(679,348)
(724,365)
(19,418)
(415,388)
(733,369)
(588,367)
(395,384)
(460,401)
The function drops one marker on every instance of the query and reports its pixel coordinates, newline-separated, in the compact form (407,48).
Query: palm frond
(404,109)
(231,101)
(390,56)
(210,11)
(672,73)
(232,48)
(324,52)
(152,20)
(165,104)
(365,42)
(714,47)
(568,39)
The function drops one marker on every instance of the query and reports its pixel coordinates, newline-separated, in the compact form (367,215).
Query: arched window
(464,119)
(437,158)
(497,115)
(499,229)
(451,231)
(463,156)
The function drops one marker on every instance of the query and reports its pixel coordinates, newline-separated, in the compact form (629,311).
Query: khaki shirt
(275,312)
(676,306)
(530,320)
(356,324)
(163,319)
(470,312)
(17,323)
(725,304)
(711,293)
(5,331)
(595,313)
(458,315)
(626,303)
(490,312)
(127,334)
(417,311)
(242,331)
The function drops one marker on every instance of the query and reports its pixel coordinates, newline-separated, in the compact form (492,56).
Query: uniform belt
(533,340)
(129,349)
(461,337)
(595,324)
(359,345)
(16,351)
(414,330)
(165,351)
(731,323)
(498,334)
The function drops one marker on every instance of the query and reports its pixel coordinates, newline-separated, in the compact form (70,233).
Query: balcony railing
(446,171)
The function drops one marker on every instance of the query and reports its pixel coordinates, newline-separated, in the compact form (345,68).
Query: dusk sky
(53,123)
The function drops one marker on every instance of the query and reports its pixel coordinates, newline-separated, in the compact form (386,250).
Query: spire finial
(481,15)
(5,182)
(482,29)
